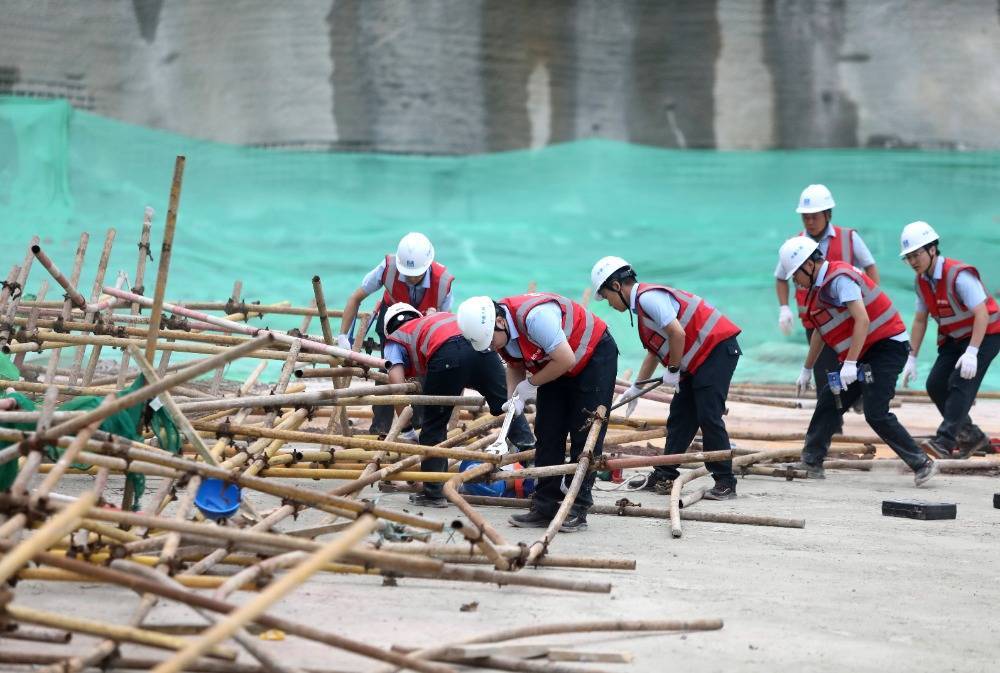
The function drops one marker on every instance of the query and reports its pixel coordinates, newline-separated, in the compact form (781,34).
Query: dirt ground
(852,591)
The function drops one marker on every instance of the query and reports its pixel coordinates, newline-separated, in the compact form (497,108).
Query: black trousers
(562,409)
(952,394)
(455,366)
(382,414)
(826,362)
(700,402)
(886,358)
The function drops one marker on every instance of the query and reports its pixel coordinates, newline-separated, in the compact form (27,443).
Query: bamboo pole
(50,532)
(140,276)
(102,267)
(34,459)
(95,351)
(165,252)
(338,381)
(69,286)
(13,294)
(30,326)
(484,535)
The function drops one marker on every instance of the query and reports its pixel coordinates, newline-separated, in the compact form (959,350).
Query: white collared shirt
(544,326)
(659,305)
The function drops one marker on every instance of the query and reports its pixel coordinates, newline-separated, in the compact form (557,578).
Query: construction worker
(858,321)
(838,244)
(697,346)
(432,347)
(968,338)
(411,276)
(572,361)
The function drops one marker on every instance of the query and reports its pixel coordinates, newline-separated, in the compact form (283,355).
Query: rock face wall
(462,76)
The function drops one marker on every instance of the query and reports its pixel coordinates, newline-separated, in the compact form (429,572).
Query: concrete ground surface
(852,591)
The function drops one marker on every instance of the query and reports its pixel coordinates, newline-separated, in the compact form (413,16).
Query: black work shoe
(574,523)
(720,492)
(663,487)
(812,471)
(424,500)
(530,519)
(972,440)
(921,476)
(935,448)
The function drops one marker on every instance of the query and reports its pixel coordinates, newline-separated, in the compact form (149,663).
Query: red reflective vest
(397,291)
(954,318)
(704,327)
(840,249)
(421,337)
(835,323)
(583,330)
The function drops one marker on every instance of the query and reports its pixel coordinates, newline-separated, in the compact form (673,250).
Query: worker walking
(968,338)
(858,321)
(411,276)
(432,347)
(572,361)
(838,244)
(697,346)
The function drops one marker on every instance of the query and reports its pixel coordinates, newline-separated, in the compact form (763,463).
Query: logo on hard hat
(805,201)
(409,262)
(906,241)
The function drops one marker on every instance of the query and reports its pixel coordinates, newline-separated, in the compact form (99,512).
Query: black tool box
(919,509)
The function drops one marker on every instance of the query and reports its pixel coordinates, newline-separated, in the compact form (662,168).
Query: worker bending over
(858,321)
(572,361)
(968,338)
(411,276)
(697,345)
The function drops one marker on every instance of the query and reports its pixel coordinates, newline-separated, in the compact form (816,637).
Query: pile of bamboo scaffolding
(59,525)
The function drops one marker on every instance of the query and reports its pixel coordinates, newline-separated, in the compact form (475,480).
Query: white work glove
(343,342)
(848,373)
(785,319)
(968,364)
(671,379)
(525,392)
(632,391)
(909,370)
(804,382)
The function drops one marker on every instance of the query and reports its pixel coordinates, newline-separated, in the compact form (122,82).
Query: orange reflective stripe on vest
(422,337)
(704,327)
(582,328)
(835,323)
(954,318)
(844,252)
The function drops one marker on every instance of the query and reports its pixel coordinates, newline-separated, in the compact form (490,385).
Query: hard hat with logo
(915,236)
(815,199)
(395,311)
(604,268)
(793,253)
(477,319)
(414,254)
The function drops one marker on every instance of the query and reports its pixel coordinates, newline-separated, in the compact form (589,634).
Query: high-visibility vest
(844,252)
(835,323)
(583,330)
(421,337)
(954,318)
(704,327)
(397,291)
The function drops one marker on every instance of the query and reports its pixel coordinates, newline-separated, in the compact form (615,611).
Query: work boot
(929,469)
(935,448)
(574,523)
(424,500)
(812,471)
(972,440)
(530,519)
(721,492)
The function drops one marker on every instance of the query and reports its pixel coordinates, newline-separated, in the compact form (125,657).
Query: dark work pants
(886,358)
(952,394)
(700,402)
(562,408)
(454,367)
(826,362)
(382,414)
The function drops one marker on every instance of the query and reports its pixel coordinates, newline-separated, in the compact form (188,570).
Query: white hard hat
(793,253)
(815,199)
(414,254)
(915,236)
(396,310)
(477,319)
(602,270)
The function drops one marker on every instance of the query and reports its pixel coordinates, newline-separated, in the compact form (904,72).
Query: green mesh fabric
(704,221)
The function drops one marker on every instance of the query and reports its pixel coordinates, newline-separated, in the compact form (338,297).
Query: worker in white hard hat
(859,322)
(572,361)
(968,338)
(697,346)
(410,276)
(432,347)
(838,244)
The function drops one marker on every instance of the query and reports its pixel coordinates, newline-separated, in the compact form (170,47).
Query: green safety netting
(128,423)
(708,222)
